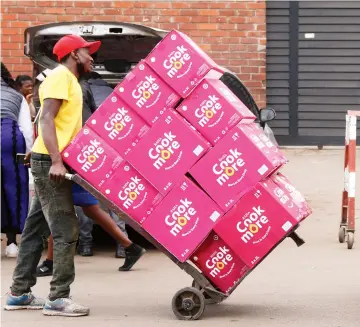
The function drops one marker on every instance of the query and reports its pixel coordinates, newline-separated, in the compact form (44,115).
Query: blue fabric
(81,197)
(20,301)
(14,179)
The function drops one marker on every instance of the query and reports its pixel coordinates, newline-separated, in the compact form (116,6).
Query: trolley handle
(69,177)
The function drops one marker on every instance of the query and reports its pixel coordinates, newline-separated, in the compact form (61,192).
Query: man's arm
(49,111)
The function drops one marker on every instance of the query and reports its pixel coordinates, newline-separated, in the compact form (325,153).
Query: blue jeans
(86,226)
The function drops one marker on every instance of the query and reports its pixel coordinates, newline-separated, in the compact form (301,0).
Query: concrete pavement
(317,285)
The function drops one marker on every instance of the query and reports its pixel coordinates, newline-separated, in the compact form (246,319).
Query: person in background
(25,86)
(95,91)
(16,137)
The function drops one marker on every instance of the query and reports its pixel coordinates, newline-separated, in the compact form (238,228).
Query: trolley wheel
(208,298)
(350,240)
(342,234)
(188,304)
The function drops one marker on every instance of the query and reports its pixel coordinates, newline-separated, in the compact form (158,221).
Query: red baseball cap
(70,43)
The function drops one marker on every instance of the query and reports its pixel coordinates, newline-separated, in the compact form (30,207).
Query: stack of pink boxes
(178,152)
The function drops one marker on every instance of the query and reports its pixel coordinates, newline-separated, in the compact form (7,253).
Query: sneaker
(45,269)
(120,252)
(64,307)
(133,254)
(22,302)
(12,251)
(85,250)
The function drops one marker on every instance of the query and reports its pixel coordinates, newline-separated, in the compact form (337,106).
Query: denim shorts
(81,197)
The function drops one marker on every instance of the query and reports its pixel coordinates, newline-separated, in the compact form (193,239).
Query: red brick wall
(232,32)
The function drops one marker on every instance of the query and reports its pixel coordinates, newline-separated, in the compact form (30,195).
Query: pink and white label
(183,219)
(118,124)
(92,158)
(214,110)
(146,93)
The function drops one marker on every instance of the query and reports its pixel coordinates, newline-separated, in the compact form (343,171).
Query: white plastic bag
(270,134)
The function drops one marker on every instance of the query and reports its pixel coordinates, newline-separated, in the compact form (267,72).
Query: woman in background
(25,86)
(16,137)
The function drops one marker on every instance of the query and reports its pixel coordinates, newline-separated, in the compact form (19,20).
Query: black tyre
(188,304)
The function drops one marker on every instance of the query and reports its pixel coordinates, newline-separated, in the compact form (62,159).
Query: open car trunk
(123,45)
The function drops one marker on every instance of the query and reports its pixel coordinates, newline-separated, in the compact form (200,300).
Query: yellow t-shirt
(63,85)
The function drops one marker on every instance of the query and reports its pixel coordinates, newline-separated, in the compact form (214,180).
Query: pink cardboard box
(92,158)
(132,193)
(214,110)
(234,165)
(219,263)
(256,224)
(118,124)
(181,63)
(146,93)
(167,152)
(183,219)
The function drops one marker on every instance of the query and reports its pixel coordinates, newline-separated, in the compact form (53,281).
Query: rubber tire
(200,299)
(350,240)
(342,234)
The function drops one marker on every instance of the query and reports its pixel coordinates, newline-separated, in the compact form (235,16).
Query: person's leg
(63,224)
(133,251)
(120,250)
(58,209)
(31,247)
(50,251)
(46,267)
(12,249)
(119,222)
(104,220)
(15,183)
(11,238)
(85,233)
(85,226)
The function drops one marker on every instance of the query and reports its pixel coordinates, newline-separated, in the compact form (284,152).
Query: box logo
(145,90)
(117,123)
(180,216)
(176,61)
(207,110)
(220,260)
(90,154)
(164,149)
(228,166)
(131,191)
(254,222)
